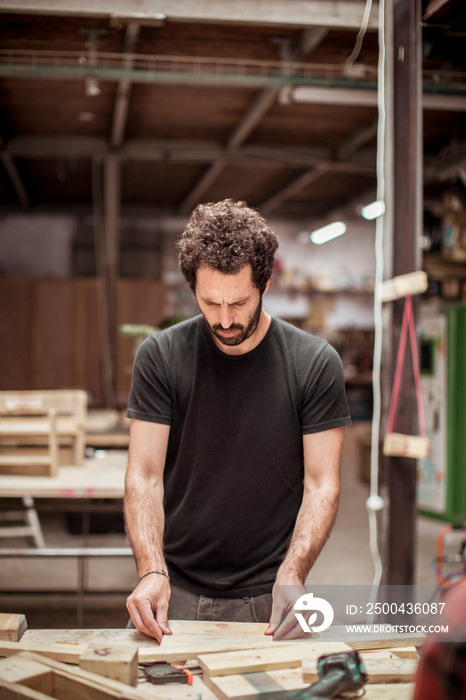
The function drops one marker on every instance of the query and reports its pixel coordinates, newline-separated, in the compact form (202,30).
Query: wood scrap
(117,661)
(12,627)
(287,655)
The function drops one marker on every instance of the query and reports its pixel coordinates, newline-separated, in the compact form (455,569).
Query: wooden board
(58,652)
(97,478)
(189,640)
(248,686)
(385,641)
(405,652)
(287,655)
(12,627)
(394,691)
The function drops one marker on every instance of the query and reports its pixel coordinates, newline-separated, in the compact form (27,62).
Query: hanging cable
(375,503)
(361,34)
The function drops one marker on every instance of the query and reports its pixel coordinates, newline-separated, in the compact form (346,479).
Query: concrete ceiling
(155,106)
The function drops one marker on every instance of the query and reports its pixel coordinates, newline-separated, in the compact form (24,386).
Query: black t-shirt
(233,475)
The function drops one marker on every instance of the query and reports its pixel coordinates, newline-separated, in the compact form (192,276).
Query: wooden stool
(30,523)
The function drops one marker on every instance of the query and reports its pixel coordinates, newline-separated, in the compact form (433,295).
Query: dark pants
(185,605)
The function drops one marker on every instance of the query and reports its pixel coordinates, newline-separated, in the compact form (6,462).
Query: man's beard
(244,332)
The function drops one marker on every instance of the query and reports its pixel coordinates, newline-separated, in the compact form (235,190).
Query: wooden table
(82,486)
(228,660)
(96,478)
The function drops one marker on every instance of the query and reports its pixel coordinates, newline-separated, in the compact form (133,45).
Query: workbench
(228,660)
(87,488)
(98,477)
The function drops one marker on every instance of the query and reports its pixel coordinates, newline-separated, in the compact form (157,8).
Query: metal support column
(400,472)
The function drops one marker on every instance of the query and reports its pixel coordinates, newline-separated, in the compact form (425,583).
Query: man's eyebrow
(241,300)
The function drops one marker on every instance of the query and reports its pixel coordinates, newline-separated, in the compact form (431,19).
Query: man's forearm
(313,527)
(144,519)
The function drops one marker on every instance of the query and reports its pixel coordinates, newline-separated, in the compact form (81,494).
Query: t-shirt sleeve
(324,398)
(150,397)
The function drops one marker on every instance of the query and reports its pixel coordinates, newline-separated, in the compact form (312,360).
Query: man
(237,426)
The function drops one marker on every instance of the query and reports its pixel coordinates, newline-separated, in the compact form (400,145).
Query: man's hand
(283,623)
(148,606)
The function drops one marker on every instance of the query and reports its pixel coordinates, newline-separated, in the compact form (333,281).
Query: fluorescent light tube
(326,233)
(373,210)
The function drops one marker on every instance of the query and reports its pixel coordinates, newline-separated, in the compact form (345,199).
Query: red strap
(407,323)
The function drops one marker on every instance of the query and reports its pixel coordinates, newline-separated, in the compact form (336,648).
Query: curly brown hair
(226,236)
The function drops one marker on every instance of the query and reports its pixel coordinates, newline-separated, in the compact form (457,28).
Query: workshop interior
(343,122)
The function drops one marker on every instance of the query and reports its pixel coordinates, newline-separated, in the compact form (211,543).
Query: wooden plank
(392,691)
(289,655)
(97,478)
(67,653)
(256,629)
(382,667)
(116,661)
(188,641)
(249,686)
(191,639)
(406,652)
(12,627)
(24,465)
(387,642)
(174,649)
(401,652)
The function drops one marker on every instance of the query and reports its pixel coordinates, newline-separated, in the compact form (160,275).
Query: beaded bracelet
(162,572)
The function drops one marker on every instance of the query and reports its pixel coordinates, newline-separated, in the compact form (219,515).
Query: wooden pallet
(237,661)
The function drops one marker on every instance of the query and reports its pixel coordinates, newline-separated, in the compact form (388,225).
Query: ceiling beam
(80,147)
(264,100)
(121,108)
(448,163)
(301,79)
(338,14)
(14,176)
(356,140)
(350,146)
(433,7)
(292,188)
(16,180)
